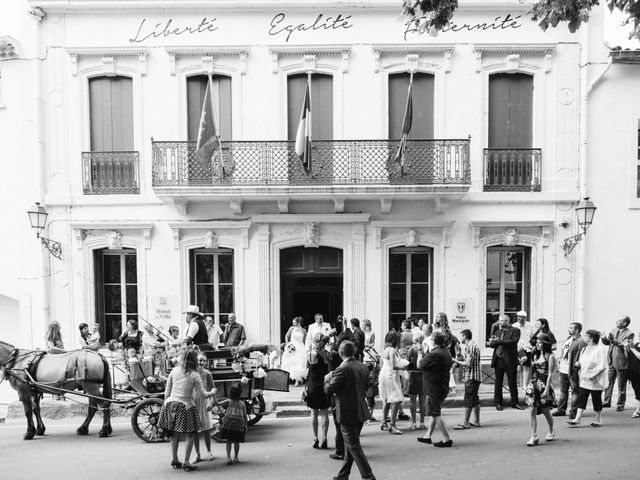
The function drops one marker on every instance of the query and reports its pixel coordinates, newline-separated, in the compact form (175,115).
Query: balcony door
(111,166)
(510,160)
(203,171)
(422,101)
(321,124)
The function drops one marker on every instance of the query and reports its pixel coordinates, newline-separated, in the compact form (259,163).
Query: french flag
(303,135)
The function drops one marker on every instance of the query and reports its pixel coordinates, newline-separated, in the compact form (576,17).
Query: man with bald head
(505,361)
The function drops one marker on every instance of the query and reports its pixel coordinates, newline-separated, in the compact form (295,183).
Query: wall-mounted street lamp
(585,212)
(38,219)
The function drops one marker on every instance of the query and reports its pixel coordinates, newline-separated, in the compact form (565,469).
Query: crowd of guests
(418,361)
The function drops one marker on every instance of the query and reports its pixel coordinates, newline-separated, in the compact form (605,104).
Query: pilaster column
(357,271)
(264,284)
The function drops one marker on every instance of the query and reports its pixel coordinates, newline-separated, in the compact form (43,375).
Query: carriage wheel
(217,412)
(144,420)
(255,407)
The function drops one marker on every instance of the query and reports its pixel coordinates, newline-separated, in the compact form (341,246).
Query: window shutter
(510,110)
(422,99)
(196,88)
(111,114)
(321,105)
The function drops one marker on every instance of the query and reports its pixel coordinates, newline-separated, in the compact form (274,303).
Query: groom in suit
(505,360)
(349,384)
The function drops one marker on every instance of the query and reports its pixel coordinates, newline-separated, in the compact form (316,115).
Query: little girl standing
(234,422)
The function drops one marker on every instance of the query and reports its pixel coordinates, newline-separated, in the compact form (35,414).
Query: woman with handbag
(592,377)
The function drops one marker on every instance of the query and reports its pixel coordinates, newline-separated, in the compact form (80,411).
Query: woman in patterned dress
(179,414)
(539,395)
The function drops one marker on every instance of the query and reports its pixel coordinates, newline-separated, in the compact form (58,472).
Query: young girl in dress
(202,404)
(234,422)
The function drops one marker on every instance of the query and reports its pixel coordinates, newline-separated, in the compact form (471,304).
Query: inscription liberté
(278,24)
(167,29)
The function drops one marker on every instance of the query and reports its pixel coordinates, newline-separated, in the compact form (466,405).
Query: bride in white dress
(294,358)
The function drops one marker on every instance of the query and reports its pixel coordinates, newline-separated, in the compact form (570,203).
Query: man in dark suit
(568,355)
(505,360)
(349,384)
(618,340)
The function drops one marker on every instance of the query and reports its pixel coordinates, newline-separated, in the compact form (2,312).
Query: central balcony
(336,162)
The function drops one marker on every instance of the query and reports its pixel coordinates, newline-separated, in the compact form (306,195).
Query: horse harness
(32,363)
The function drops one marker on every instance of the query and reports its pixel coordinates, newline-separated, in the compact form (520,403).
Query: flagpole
(309,121)
(405,130)
(217,129)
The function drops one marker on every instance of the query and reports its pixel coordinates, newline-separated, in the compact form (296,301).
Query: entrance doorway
(310,283)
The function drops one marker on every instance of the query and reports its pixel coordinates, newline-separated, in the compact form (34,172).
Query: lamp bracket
(55,248)
(571,242)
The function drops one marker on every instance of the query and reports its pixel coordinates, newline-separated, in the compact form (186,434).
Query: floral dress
(537,385)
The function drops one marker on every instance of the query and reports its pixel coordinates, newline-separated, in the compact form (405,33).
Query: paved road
(281,449)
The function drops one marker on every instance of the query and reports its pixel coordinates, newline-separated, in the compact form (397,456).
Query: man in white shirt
(319,326)
(525,348)
(214,332)
(568,355)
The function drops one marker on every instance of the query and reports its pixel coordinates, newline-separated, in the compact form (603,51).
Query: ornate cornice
(80,230)
(288,218)
(209,228)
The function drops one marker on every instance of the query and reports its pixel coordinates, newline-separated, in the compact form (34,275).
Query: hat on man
(521,313)
(194,310)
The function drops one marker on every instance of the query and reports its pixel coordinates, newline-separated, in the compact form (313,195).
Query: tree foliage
(433,15)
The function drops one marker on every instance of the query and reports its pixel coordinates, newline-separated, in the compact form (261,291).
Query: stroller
(371,359)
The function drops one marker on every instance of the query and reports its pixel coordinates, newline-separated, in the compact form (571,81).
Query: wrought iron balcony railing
(107,173)
(512,169)
(336,162)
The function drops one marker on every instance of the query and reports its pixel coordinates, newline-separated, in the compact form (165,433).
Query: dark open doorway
(310,283)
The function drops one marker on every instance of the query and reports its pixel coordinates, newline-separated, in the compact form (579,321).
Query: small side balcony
(512,169)
(110,173)
(334,163)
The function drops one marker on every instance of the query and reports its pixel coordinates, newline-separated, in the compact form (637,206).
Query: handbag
(305,395)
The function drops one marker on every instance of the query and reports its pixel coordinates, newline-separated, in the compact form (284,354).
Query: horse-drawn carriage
(86,373)
(250,366)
